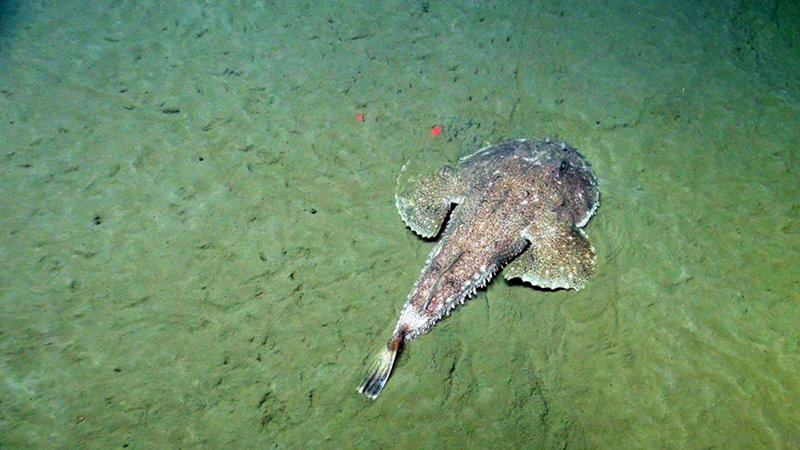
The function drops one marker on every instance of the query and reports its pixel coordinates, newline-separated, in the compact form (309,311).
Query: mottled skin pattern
(520,205)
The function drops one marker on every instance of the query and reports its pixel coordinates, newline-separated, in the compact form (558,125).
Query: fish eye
(563,167)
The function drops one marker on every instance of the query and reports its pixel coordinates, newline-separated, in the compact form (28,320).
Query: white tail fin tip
(381,368)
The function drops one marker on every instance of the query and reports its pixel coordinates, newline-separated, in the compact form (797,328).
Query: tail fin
(381,368)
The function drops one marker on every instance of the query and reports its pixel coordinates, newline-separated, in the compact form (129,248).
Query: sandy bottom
(200,244)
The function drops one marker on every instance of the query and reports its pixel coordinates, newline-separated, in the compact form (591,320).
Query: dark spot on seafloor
(97,220)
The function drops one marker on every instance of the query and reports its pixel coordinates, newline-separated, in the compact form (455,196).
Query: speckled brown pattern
(520,205)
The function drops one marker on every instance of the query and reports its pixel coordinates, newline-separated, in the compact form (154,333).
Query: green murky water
(200,245)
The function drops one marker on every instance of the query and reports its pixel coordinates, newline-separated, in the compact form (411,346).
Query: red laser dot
(435,131)
(360,117)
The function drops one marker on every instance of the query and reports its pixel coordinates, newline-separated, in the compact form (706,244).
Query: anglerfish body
(520,208)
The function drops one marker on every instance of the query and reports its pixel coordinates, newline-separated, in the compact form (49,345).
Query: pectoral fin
(563,259)
(424,201)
